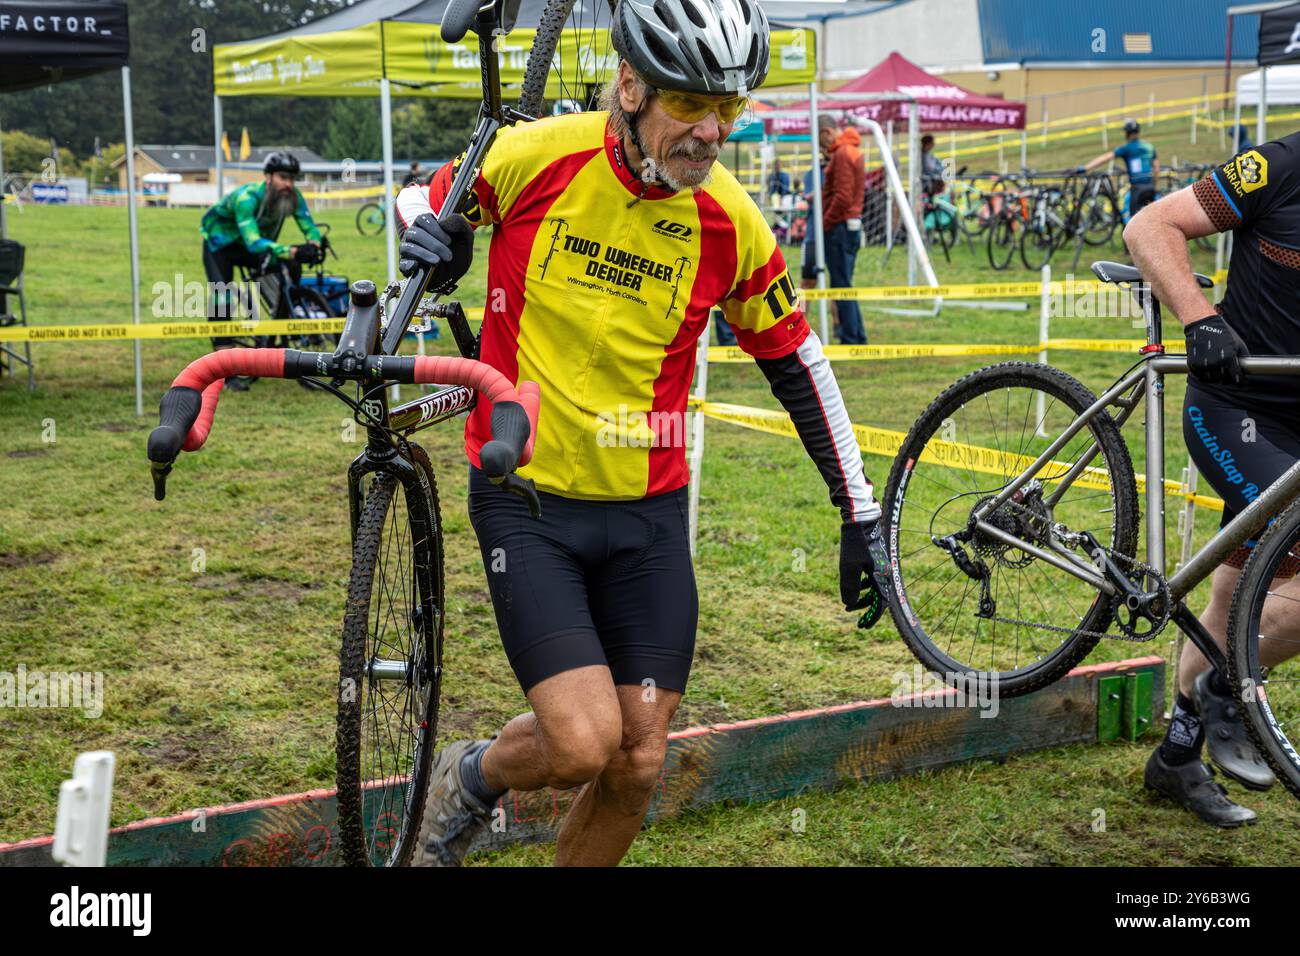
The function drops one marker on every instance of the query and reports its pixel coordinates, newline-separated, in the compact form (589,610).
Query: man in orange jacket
(842,194)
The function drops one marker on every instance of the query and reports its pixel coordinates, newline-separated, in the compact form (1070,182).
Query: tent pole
(1260,124)
(819,241)
(386,125)
(390,228)
(218,124)
(1236,125)
(889,206)
(913,183)
(4,225)
(135,239)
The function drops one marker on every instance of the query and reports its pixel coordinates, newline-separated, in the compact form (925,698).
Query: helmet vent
(752,60)
(666,16)
(658,49)
(693,13)
(710,62)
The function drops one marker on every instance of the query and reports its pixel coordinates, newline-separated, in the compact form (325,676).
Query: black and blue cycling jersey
(1242,438)
(1139,158)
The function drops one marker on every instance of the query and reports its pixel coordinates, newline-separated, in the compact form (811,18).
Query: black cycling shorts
(1139,197)
(589,582)
(1240,449)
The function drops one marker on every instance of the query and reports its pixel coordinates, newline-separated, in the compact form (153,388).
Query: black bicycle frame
(381,452)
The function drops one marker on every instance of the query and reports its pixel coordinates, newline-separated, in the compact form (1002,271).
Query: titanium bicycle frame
(1145,384)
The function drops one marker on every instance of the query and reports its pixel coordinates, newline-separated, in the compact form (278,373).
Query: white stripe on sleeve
(848,456)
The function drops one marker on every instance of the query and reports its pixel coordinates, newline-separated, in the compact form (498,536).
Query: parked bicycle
(372,219)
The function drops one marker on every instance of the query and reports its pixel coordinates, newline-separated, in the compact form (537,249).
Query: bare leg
(568,738)
(609,812)
(1280,625)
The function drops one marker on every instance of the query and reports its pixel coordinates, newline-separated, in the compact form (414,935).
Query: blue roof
(1021,31)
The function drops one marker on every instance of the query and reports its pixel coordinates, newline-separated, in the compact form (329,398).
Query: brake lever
(160,470)
(879,598)
(525,489)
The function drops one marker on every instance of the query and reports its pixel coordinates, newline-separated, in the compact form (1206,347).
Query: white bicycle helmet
(715,47)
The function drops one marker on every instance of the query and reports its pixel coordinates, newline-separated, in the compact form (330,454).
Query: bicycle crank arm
(1129,591)
(525,489)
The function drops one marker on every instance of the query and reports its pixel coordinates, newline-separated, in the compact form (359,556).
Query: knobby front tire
(566,74)
(387,718)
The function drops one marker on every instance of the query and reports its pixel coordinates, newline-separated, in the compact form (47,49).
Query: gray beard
(676,185)
(277,206)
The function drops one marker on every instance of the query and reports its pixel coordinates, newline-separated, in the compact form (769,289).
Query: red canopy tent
(941,105)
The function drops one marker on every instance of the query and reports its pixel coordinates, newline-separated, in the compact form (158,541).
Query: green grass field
(215,617)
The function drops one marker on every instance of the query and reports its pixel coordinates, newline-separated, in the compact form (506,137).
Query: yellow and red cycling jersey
(600,299)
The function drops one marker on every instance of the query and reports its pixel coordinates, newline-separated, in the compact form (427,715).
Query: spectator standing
(842,218)
(931,167)
(778,182)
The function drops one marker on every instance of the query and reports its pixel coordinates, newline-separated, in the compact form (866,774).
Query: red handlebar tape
(208,374)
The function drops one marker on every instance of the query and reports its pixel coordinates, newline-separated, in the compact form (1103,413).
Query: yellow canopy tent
(367,48)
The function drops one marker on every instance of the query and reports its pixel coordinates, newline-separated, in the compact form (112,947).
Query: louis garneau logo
(75,908)
(673,230)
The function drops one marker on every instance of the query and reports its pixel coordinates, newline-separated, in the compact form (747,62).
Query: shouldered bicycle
(390,661)
(1013,516)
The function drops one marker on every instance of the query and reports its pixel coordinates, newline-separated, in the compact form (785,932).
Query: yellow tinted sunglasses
(691,107)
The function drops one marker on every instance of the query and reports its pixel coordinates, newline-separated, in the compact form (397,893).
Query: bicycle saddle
(1118,272)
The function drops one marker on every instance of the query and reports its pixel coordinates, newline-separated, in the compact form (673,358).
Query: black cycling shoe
(1192,785)
(238,383)
(1227,739)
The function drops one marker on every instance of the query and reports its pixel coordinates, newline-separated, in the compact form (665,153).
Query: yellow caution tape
(361,192)
(983,290)
(970,290)
(886,442)
(1095,345)
(199,329)
(167,330)
(849,353)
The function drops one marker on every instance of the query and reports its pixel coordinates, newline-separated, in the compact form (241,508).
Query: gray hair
(609,101)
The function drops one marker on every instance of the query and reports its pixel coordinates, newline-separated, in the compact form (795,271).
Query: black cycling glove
(1215,351)
(447,247)
(864,570)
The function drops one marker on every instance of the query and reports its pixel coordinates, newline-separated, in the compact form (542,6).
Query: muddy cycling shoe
(1227,739)
(452,817)
(1192,785)
(239,383)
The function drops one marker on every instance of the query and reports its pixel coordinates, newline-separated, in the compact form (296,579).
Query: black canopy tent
(51,41)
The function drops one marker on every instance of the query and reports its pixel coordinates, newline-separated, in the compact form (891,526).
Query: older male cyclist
(615,232)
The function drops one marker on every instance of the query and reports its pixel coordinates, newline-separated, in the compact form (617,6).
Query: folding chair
(11,283)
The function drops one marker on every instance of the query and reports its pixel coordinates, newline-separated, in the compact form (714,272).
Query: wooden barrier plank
(761,759)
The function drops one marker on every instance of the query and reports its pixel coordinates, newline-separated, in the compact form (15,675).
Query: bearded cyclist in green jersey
(243,228)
